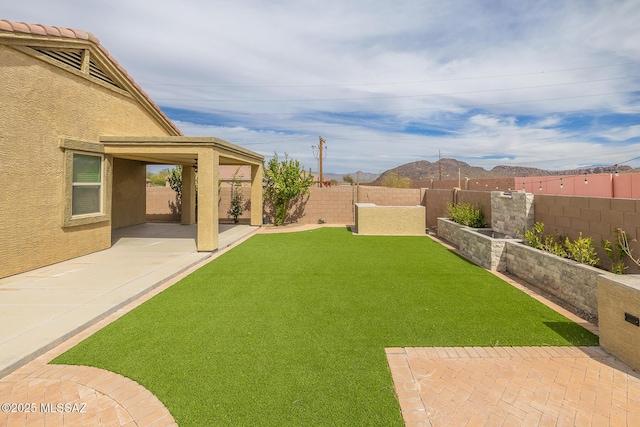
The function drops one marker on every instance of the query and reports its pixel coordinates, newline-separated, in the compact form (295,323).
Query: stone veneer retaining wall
(486,251)
(568,280)
(449,231)
(511,212)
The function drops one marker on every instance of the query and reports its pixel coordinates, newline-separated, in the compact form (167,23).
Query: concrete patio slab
(41,308)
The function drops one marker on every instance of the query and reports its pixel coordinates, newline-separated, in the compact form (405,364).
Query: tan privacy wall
(162,205)
(372,219)
(618,310)
(41,104)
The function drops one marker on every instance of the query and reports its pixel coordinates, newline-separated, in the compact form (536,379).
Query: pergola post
(256,194)
(208,163)
(188,201)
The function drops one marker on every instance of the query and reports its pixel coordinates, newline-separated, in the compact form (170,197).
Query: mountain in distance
(424,170)
(365,177)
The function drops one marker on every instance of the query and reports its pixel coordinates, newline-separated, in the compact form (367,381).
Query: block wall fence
(569,215)
(331,204)
(163,205)
(625,185)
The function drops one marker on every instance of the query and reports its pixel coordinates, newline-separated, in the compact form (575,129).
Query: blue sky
(546,84)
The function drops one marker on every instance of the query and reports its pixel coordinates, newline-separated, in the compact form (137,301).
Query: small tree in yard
(236,207)
(175,180)
(284,182)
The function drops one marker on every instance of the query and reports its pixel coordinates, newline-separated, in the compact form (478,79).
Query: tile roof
(69,33)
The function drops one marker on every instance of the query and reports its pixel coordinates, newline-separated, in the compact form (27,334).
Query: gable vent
(96,71)
(73,59)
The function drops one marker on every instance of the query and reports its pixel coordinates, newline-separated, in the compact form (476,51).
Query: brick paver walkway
(62,395)
(514,386)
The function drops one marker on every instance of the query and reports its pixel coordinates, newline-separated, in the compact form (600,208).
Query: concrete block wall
(224,202)
(593,216)
(477,198)
(471,184)
(162,205)
(384,196)
(436,202)
(337,204)
(617,296)
(331,204)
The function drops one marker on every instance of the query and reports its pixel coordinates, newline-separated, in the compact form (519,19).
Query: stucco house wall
(44,104)
(128,193)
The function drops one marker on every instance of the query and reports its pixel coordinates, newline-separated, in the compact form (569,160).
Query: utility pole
(321,156)
(321,145)
(439,166)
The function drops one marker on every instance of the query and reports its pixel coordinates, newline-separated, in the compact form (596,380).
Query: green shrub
(554,244)
(615,253)
(582,250)
(467,214)
(534,236)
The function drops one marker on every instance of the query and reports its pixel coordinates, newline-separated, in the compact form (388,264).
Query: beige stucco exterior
(208,153)
(49,103)
(128,191)
(50,111)
(375,220)
(618,298)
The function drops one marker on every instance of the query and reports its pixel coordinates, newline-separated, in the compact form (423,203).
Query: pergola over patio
(201,154)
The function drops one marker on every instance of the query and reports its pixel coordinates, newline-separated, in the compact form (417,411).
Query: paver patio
(518,386)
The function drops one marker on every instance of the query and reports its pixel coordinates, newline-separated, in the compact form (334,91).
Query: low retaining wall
(488,252)
(572,282)
(618,313)
(449,231)
(575,283)
(372,219)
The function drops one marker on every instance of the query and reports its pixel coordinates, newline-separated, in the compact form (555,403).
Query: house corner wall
(49,104)
(129,193)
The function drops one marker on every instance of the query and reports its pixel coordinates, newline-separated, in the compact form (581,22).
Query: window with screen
(86,197)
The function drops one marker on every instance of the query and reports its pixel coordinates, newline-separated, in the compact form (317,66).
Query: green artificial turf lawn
(290,329)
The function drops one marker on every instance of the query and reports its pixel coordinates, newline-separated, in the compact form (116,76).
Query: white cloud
(484,82)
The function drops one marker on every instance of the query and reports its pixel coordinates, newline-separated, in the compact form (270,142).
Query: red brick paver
(520,386)
(62,395)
